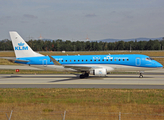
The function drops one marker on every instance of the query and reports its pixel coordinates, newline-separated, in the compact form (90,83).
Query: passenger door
(44,62)
(138,61)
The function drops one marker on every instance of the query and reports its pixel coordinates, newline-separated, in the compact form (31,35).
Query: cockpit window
(149,58)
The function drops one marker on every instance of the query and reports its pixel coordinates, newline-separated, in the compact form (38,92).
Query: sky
(75,19)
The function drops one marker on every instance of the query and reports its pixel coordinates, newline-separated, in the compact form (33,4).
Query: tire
(82,76)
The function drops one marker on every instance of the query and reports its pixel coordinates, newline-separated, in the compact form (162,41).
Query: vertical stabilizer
(21,48)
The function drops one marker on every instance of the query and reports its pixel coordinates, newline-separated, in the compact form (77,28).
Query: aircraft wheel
(86,74)
(82,76)
(141,76)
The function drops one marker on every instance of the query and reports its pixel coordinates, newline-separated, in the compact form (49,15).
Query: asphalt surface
(118,81)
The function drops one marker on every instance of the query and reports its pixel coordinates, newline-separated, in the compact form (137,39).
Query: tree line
(59,45)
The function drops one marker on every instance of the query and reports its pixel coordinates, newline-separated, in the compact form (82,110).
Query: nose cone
(159,65)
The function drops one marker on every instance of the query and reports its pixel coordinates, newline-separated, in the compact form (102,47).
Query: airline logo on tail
(21,46)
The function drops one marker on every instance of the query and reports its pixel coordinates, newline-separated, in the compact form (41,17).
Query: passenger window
(102,59)
(86,60)
(99,60)
(78,60)
(95,60)
(70,60)
(123,59)
(90,60)
(66,60)
(110,59)
(74,60)
(82,60)
(106,59)
(118,59)
(58,60)
(62,60)
(114,59)
(127,59)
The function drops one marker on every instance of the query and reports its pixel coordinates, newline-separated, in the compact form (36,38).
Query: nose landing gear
(141,74)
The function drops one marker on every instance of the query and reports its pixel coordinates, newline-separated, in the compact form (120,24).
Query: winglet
(54,61)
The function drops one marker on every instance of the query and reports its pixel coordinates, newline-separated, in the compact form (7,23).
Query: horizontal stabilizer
(20,60)
(11,59)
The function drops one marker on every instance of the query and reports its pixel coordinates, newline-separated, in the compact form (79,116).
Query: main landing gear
(84,75)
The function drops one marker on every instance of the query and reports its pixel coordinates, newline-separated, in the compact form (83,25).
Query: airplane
(98,65)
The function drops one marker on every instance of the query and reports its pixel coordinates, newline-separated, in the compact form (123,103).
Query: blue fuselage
(136,60)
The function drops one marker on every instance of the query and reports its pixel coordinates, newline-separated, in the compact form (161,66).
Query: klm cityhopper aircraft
(99,65)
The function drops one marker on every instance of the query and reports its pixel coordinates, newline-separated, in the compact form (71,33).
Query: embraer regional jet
(99,65)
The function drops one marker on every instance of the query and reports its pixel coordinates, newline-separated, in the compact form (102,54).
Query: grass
(149,53)
(81,103)
(6,62)
(7,54)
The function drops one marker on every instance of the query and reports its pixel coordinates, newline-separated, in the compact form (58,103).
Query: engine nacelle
(99,72)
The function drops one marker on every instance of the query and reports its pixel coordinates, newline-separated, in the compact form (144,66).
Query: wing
(54,61)
(81,68)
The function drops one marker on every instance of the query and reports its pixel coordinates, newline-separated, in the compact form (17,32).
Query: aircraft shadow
(70,79)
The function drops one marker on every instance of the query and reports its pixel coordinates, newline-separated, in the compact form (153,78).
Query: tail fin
(21,48)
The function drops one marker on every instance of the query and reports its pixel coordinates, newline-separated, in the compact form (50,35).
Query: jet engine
(99,72)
